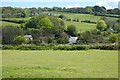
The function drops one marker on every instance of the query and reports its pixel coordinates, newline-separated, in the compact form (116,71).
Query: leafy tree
(61,16)
(58,27)
(88,10)
(99,10)
(9,33)
(20,40)
(62,40)
(72,30)
(113,38)
(101,25)
(32,23)
(116,27)
(26,12)
(87,37)
(45,23)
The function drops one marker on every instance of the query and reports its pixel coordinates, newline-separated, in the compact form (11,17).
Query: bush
(105,47)
(20,40)
(46,47)
(67,48)
(71,47)
(62,41)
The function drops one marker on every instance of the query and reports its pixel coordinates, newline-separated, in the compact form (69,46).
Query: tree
(72,30)
(61,16)
(20,40)
(116,27)
(33,22)
(58,26)
(87,37)
(101,25)
(113,38)
(62,40)
(45,23)
(88,10)
(26,13)
(99,10)
(9,33)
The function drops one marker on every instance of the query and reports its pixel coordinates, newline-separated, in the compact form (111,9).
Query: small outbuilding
(28,37)
(73,40)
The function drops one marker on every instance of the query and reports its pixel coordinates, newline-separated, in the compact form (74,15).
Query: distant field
(60,64)
(81,16)
(80,26)
(4,23)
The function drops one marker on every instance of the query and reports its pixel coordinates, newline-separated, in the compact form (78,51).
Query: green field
(60,64)
(4,23)
(80,26)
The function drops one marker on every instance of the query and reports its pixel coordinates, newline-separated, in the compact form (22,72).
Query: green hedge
(44,47)
(71,47)
(105,47)
(14,20)
(58,47)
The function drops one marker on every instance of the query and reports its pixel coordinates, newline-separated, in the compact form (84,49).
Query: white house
(28,37)
(73,39)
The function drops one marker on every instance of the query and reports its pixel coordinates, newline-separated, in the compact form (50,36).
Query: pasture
(80,26)
(4,23)
(60,64)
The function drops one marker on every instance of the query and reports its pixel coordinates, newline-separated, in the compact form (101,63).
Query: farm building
(73,40)
(28,37)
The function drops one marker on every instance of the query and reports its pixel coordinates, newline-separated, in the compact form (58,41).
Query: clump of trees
(9,33)
(106,32)
(46,28)
(71,30)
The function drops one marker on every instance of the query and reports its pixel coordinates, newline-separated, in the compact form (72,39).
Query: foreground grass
(60,64)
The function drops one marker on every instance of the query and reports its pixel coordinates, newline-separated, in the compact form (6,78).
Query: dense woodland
(50,29)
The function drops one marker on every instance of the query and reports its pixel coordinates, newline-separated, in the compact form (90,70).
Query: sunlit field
(60,64)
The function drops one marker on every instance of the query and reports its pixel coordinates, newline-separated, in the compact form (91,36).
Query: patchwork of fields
(80,26)
(60,64)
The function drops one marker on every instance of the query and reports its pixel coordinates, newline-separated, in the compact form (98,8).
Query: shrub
(105,47)
(20,40)
(74,47)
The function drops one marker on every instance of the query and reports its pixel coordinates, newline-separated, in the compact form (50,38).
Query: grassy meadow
(60,64)
(4,23)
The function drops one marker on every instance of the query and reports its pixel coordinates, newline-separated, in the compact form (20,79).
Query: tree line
(10,12)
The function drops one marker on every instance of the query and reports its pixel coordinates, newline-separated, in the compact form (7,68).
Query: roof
(28,36)
(73,39)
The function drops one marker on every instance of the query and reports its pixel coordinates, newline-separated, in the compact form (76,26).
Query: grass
(4,23)
(60,64)
(80,26)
